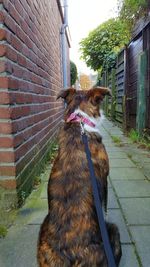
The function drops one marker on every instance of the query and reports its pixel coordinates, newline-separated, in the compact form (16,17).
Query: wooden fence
(129,81)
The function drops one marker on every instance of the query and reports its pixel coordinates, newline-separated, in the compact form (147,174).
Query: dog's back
(69,235)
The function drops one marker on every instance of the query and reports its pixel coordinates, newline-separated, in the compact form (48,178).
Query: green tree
(73,73)
(99,49)
(130,11)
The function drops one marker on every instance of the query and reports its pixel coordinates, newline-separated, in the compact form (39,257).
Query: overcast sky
(84,16)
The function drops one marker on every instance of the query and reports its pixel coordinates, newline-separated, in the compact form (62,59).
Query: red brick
(30,65)
(4,82)
(28,157)
(2,66)
(24,26)
(25,51)
(18,139)
(4,113)
(22,60)
(4,98)
(8,36)
(7,156)
(26,76)
(18,7)
(2,34)
(5,128)
(16,112)
(9,67)
(26,6)
(33,57)
(29,43)
(16,43)
(9,22)
(18,71)
(20,125)
(13,83)
(6,4)
(36,79)
(8,184)
(13,12)
(21,98)
(11,54)
(1,16)
(7,170)
(2,50)
(20,33)
(34,129)
(31,142)
(6,142)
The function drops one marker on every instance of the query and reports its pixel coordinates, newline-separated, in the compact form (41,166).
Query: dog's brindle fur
(70,235)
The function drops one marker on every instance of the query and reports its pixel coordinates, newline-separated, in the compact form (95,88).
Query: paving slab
(129,258)
(113,149)
(126,174)
(141,236)
(138,188)
(147,160)
(107,138)
(44,191)
(117,155)
(136,210)
(112,200)
(105,135)
(33,213)
(115,216)
(45,175)
(121,163)
(147,169)
(19,247)
(114,131)
(109,184)
(108,144)
(147,172)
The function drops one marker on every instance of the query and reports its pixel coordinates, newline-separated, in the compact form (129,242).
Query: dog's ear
(96,95)
(67,94)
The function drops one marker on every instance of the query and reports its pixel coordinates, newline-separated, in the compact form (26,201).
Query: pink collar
(79,118)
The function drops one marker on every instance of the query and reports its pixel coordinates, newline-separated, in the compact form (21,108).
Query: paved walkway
(129,208)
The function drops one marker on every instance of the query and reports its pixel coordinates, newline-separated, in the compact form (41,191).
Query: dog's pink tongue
(72,117)
(78,118)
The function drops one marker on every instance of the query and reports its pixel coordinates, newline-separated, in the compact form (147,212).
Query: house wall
(30,79)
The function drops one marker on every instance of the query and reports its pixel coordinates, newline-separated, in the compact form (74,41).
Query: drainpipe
(64,44)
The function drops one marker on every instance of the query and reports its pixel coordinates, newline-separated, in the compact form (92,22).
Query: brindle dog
(70,235)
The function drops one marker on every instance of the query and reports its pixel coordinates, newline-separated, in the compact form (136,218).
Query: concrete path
(128,207)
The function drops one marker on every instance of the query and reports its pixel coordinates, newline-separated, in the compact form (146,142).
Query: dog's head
(87,101)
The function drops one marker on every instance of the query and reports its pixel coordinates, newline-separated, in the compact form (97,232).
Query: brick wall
(30,78)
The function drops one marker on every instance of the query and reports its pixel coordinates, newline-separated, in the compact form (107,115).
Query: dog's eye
(78,98)
(97,99)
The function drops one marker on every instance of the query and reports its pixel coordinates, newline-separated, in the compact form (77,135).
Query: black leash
(98,204)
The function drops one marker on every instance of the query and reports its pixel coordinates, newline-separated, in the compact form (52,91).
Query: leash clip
(82,127)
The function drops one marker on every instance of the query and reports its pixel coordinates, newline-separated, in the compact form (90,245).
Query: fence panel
(135,48)
(120,71)
(141,93)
